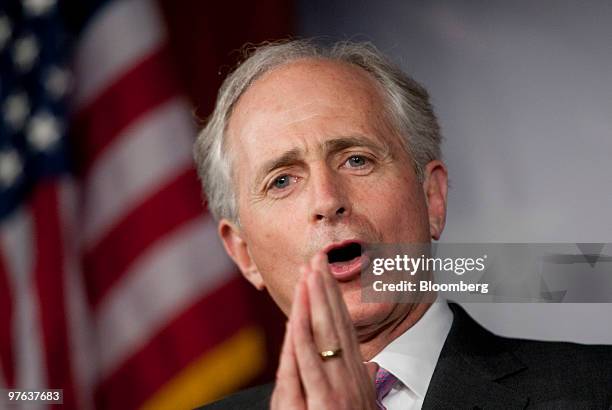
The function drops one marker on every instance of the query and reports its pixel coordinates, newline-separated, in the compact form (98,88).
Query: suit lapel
(471,363)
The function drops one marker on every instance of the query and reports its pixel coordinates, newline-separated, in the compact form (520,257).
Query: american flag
(112,280)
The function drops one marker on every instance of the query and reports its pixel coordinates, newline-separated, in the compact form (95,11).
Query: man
(314,152)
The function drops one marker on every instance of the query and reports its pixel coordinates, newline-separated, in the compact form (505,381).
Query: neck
(372,346)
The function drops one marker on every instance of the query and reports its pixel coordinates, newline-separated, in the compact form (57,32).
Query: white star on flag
(43,131)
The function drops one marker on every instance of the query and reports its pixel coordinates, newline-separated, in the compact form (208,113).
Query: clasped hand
(319,321)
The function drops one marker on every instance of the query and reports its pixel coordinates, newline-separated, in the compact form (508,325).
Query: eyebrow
(341,143)
(295,155)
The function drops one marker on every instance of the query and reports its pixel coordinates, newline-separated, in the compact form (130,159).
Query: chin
(366,314)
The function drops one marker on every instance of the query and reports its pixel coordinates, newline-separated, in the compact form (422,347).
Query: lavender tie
(384,382)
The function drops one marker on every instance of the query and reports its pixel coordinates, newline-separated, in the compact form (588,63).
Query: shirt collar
(412,357)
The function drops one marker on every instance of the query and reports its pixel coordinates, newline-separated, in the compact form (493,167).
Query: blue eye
(356,161)
(281,182)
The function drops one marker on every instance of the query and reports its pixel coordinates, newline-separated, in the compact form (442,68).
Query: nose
(329,197)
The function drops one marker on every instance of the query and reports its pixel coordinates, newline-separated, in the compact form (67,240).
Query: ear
(237,248)
(435,187)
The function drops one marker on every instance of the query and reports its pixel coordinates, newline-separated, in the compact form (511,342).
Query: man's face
(316,165)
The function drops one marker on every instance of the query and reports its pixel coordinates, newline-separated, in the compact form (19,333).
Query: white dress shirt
(413,356)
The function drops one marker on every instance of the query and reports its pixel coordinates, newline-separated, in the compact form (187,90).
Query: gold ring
(330,354)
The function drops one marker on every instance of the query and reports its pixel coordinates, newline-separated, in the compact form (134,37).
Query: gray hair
(408,109)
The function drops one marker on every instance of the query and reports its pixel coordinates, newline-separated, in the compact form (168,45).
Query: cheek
(266,249)
(281,287)
(401,216)
(274,236)
(275,246)
(278,271)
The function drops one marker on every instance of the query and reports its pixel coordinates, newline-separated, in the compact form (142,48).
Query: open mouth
(345,253)
(345,260)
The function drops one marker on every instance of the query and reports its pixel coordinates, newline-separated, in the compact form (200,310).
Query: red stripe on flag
(168,209)
(49,277)
(6,325)
(148,84)
(187,337)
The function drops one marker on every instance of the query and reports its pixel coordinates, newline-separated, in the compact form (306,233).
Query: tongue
(344,263)
(346,270)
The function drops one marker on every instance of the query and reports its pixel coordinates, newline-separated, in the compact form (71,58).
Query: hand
(319,321)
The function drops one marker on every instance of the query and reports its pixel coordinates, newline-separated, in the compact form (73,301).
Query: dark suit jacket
(479,370)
